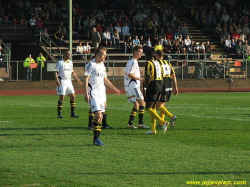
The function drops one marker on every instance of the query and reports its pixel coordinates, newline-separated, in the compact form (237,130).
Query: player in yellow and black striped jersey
(168,77)
(152,90)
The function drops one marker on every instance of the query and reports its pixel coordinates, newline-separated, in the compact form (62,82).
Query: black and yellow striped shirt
(153,68)
(167,68)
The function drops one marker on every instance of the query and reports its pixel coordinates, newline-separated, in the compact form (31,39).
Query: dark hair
(137,48)
(97,51)
(149,54)
(160,53)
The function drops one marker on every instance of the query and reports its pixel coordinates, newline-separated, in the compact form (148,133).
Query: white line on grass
(5,121)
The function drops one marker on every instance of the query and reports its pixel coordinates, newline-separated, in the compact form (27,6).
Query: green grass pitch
(210,142)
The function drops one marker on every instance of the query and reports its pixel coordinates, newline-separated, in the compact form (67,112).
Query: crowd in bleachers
(229,19)
(130,21)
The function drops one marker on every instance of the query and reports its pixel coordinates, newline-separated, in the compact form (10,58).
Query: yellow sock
(165,111)
(153,114)
(162,116)
(153,122)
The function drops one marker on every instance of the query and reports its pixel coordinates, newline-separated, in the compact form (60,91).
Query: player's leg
(141,114)
(91,119)
(132,115)
(104,119)
(97,128)
(73,105)
(59,106)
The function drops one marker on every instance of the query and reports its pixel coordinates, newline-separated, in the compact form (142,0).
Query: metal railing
(5,53)
(14,30)
(49,45)
(222,67)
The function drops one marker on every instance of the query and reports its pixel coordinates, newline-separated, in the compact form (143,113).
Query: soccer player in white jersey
(62,73)
(132,78)
(95,92)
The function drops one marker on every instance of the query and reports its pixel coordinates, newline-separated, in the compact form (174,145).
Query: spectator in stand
(63,30)
(184,30)
(246,47)
(136,41)
(149,26)
(232,28)
(116,38)
(140,29)
(169,35)
(187,42)
(89,29)
(217,32)
(27,4)
(38,9)
(200,48)
(181,44)
(211,19)
(239,29)
(79,51)
(243,36)
(60,38)
(33,25)
(176,50)
(45,33)
(9,11)
(96,38)
(139,16)
(224,35)
(205,23)
(246,29)
(158,46)
(125,31)
(191,50)
(142,42)
(92,21)
(106,38)
(155,16)
(118,27)
(20,11)
(167,46)
(239,50)
(119,20)
(51,4)
(173,28)
(101,22)
(86,49)
(148,44)
(228,46)
(155,23)
(64,12)
(162,36)
(54,12)
(99,28)
(208,50)
(218,5)
(39,24)
(197,19)
(133,24)
(236,35)
(128,45)
(155,36)
(177,34)
(225,17)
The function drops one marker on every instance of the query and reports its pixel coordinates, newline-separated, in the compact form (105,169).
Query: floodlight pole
(70,28)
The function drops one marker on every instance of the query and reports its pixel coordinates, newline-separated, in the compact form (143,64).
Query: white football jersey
(96,73)
(64,69)
(131,67)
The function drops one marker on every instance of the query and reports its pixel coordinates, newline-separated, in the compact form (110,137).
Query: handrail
(6,51)
(49,45)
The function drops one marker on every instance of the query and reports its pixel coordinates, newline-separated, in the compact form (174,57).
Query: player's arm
(132,76)
(175,84)
(110,85)
(56,77)
(76,77)
(86,96)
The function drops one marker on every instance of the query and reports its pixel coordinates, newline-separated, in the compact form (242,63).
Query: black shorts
(166,89)
(153,91)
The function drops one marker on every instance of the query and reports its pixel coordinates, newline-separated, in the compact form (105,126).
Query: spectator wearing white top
(200,48)
(225,17)
(118,27)
(106,38)
(86,49)
(187,42)
(218,5)
(228,45)
(79,50)
(125,30)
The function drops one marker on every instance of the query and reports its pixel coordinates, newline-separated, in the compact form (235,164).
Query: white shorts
(97,102)
(134,94)
(65,88)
